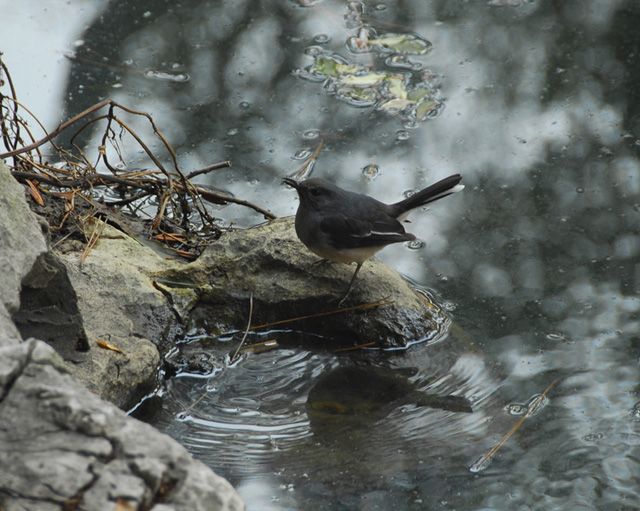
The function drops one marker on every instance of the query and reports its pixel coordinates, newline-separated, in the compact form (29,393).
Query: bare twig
(486,459)
(95,236)
(221,198)
(177,197)
(215,166)
(379,303)
(57,131)
(83,182)
(246,332)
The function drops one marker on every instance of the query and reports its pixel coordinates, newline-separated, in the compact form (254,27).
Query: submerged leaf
(395,104)
(409,44)
(396,87)
(362,81)
(426,109)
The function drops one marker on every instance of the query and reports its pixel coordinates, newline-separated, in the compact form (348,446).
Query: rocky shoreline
(65,440)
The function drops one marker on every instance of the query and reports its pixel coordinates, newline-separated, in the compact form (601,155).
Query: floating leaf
(362,81)
(358,97)
(396,87)
(331,67)
(427,109)
(395,104)
(360,86)
(419,93)
(390,41)
(409,44)
(359,43)
(326,66)
(347,69)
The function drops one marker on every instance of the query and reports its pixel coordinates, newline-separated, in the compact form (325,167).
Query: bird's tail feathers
(436,191)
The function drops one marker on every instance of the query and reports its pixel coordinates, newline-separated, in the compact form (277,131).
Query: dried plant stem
(246,332)
(177,198)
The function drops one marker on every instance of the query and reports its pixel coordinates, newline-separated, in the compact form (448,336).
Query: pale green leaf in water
(425,109)
(389,42)
(344,69)
(418,93)
(331,68)
(358,97)
(407,44)
(396,87)
(326,67)
(395,104)
(364,80)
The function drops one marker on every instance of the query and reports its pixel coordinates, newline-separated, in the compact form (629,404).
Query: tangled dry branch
(176,198)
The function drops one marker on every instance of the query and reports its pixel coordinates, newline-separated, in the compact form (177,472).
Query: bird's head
(316,194)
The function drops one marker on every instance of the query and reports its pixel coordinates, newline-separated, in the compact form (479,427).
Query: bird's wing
(352,232)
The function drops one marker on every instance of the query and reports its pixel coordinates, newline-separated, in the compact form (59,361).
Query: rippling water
(320,422)
(247,411)
(299,429)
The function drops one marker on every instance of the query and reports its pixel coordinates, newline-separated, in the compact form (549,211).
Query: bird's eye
(315,191)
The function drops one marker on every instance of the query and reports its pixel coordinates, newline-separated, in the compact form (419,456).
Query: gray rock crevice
(18,358)
(62,443)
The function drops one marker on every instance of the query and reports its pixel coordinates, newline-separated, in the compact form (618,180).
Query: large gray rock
(43,303)
(121,305)
(64,448)
(23,243)
(61,446)
(49,308)
(35,288)
(8,332)
(116,289)
(286,281)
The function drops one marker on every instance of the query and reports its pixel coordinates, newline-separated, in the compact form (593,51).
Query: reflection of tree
(541,119)
(241,96)
(568,220)
(625,85)
(201,40)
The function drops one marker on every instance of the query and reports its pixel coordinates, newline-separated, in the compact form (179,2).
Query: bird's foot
(353,279)
(321,262)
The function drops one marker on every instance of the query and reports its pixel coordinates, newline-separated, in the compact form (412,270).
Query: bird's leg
(350,284)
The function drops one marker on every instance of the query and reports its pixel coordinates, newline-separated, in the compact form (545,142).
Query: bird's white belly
(346,255)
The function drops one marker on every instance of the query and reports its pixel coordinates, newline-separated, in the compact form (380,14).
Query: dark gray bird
(351,227)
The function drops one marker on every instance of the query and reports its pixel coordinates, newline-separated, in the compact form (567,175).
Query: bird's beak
(291,182)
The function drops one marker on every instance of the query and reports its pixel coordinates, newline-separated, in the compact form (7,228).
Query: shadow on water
(537,259)
(348,425)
